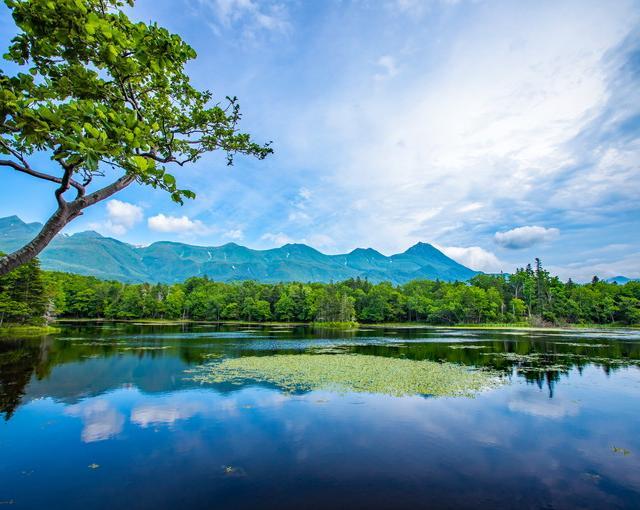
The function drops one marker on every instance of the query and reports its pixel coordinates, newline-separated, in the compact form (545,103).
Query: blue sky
(498,131)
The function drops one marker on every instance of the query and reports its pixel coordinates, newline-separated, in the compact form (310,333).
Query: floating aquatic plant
(622,451)
(146,348)
(581,344)
(566,358)
(350,372)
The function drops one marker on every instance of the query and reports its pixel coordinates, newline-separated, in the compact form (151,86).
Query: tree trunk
(55,224)
(65,213)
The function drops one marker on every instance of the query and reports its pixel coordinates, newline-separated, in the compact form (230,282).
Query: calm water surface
(106,416)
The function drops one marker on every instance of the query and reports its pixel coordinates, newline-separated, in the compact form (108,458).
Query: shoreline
(355,325)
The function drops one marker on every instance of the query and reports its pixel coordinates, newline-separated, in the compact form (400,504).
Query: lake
(115,415)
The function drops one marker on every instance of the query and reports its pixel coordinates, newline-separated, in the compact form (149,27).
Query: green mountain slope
(89,253)
(620,280)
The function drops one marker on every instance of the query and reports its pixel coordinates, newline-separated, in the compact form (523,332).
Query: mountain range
(620,280)
(90,253)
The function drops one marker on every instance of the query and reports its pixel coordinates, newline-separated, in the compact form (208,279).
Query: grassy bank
(19,330)
(516,325)
(335,325)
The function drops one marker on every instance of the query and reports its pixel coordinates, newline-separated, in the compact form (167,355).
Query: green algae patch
(350,373)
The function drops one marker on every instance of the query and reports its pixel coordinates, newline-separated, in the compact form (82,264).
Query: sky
(498,131)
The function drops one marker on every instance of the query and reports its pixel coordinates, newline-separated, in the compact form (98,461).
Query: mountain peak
(621,280)
(370,252)
(15,224)
(89,234)
(421,248)
(10,221)
(299,247)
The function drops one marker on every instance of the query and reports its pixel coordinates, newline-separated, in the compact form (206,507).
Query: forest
(531,295)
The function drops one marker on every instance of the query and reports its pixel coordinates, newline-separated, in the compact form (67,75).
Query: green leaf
(169,180)
(140,162)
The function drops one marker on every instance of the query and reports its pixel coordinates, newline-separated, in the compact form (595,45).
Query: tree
(335,306)
(23,295)
(629,310)
(104,96)
(285,308)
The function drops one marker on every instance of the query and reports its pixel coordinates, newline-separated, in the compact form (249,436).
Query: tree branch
(34,173)
(103,193)
(57,222)
(169,159)
(64,184)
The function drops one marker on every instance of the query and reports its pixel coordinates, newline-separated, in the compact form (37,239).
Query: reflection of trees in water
(543,377)
(23,359)
(542,362)
(539,362)
(18,361)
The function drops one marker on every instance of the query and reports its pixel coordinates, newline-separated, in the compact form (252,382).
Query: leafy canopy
(99,91)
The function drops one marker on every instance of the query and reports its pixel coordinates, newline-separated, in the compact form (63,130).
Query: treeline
(531,295)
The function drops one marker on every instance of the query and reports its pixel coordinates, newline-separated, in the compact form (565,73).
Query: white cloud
(494,117)
(235,234)
(249,15)
(305,193)
(299,205)
(176,224)
(525,237)
(627,265)
(276,239)
(416,8)
(611,183)
(123,213)
(298,217)
(474,257)
(319,241)
(121,217)
(470,207)
(388,68)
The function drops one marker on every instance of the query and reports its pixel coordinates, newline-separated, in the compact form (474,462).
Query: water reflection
(104,417)
(524,401)
(100,420)
(91,359)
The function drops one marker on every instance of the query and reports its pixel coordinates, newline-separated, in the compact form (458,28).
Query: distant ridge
(620,280)
(170,262)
